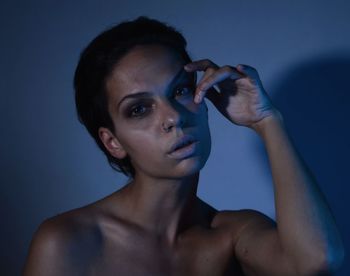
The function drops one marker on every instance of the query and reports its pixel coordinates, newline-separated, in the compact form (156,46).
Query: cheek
(200,111)
(140,124)
(145,154)
(135,131)
(195,109)
(140,144)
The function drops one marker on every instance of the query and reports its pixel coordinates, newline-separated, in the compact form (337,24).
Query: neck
(163,207)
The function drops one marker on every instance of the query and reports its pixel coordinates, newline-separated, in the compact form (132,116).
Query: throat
(163,208)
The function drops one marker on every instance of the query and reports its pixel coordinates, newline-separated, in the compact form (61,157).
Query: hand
(241,97)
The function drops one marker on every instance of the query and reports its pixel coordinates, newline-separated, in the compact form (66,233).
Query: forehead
(142,68)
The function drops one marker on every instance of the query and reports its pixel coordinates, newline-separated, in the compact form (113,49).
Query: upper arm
(258,248)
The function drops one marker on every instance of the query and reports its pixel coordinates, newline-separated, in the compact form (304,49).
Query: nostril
(173,120)
(167,127)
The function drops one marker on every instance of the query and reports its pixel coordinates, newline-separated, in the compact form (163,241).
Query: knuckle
(248,67)
(202,86)
(209,63)
(211,70)
(227,69)
(205,84)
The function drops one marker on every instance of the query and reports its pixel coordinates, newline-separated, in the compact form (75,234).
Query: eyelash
(133,110)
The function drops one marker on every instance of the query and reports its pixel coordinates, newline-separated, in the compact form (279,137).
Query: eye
(184,91)
(138,111)
(139,108)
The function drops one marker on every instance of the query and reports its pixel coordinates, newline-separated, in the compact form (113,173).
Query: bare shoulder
(239,220)
(243,226)
(236,220)
(59,240)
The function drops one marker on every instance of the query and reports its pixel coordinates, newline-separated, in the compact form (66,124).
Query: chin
(188,167)
(177,169)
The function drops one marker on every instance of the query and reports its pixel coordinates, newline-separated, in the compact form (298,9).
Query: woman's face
(157,124)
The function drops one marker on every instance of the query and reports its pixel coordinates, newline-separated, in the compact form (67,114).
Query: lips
(184,147)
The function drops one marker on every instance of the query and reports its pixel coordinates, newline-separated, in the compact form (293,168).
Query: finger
(207,73)
(218,76)
(200,65)
(212,94)
(205,65)
(198,95)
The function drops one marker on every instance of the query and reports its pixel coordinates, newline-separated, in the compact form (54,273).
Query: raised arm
(305,224)
(305,240)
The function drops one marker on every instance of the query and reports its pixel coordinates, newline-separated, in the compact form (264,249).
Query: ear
(111,143)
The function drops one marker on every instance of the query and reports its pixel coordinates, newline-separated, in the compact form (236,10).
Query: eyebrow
(179,75)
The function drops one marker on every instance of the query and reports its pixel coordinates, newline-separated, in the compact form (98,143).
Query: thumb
(248,71)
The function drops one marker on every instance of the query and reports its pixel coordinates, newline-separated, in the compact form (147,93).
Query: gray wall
(49,164)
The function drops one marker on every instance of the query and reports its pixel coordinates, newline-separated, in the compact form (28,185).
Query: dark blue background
(49,164)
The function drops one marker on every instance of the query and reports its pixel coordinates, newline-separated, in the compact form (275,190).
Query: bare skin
(156,225)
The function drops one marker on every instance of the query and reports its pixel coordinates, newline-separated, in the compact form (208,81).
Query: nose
(171,118)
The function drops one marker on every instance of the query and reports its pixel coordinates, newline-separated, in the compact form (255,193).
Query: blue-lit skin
(156,224)
(164,189)
(148,72)
(306,233)
(241,99)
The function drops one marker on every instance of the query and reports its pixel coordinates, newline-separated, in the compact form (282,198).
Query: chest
(202,253)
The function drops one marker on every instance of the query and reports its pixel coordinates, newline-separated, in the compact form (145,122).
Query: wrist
(274,117)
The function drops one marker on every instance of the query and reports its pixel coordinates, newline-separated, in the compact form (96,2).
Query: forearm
(306,226)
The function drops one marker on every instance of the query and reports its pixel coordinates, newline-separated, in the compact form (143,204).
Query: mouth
(183,147)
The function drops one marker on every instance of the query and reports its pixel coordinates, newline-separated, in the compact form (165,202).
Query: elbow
(334,260)
(325,264)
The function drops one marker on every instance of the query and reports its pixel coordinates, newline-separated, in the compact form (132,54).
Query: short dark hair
(96,63)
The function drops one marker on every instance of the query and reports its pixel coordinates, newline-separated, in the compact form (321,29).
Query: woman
(137,95)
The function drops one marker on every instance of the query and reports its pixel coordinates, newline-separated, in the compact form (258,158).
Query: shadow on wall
(314,98)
